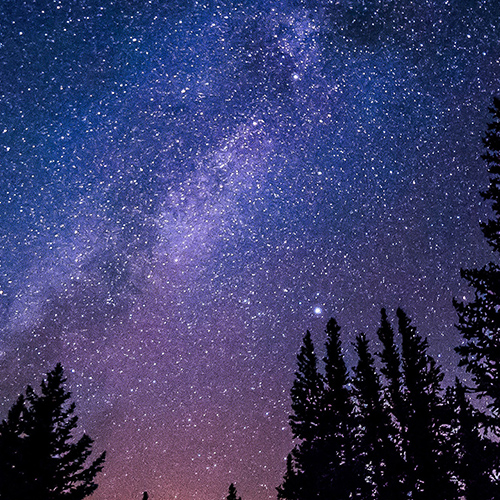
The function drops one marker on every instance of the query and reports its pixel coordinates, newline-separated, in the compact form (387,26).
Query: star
(169,171)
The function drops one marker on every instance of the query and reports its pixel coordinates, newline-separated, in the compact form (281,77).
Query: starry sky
(187,186)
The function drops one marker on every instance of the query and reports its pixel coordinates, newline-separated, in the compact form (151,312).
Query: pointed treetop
(422,374)
(41,457)
(233,495)
(335,368)
(306,391)
(365,382)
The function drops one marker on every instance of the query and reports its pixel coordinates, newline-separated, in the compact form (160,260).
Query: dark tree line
(391,435)
(397,433)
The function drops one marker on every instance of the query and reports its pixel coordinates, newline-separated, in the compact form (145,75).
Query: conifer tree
(322,464)
(391,367)
(383,466)
(233,495)
(39,457)
(342,474)
(479,319)
(473,453)
(290,488)
(14,453)
(306,393)
(428,476)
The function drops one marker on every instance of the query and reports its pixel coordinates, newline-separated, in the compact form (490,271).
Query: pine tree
(322,464)
(391,367)
(427,475)
(479,323)
(383,466)
(336,447)
(290,488)
(13,453)
(491,141)
(306,393)
(39,457)
(479,320)
(232,493)
(473,453)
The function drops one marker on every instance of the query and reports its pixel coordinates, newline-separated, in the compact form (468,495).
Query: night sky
(187,186)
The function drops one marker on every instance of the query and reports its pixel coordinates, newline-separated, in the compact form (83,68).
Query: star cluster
(187,186)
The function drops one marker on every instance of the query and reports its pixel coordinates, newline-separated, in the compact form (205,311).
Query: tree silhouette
(39,456)
(473,453)
(337,441)
(232,493)
(479,320)
(352,443)
(306,393)
(424,449)
(391,367)
(290,488)
(322,464)
(376,439)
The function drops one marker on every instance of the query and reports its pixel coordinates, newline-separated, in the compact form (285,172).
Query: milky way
(188,186)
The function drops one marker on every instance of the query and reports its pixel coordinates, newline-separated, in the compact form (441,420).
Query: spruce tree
(391,367)
(428,476)
(233,495)
(342,472)
(473,453)
(290,488)
(383,466)
(479,319)
(322,465)
(39,457)
(307,393)
(14,453)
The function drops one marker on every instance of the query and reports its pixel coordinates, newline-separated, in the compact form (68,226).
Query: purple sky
(187,186)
